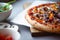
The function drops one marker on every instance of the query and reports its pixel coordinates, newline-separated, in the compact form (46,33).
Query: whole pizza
(45,17)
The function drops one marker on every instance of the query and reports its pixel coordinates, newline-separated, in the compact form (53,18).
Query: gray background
(25,32)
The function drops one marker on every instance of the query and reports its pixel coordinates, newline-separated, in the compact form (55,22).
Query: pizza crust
(42,27)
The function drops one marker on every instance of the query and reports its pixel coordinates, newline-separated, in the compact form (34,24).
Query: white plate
(20,19)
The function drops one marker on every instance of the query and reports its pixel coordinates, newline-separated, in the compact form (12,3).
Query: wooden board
(36,33)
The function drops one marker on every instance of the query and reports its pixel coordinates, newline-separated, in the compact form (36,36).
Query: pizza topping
(41,18)
(51,16)
(43,21)
(35,10)
(32,17)
(58,15)
(40,10)
(36,14)
(54,12)
(54,7)
(45,9)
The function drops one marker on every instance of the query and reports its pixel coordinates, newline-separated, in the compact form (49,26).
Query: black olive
(38,15)
(47,17)
(46,20)
(45,9)
(58,15)
(54,12)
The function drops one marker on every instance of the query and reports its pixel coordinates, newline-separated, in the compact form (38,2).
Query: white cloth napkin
(20,19)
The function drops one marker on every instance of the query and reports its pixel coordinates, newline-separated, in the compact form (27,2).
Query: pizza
(45,17)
